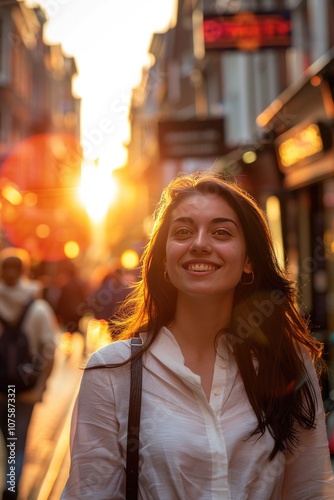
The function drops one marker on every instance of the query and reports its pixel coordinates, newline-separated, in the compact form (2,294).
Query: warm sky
(109,40)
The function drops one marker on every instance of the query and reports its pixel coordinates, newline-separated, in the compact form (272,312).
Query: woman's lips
(200,266)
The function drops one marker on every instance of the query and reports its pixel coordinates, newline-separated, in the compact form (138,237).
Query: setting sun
(97,190)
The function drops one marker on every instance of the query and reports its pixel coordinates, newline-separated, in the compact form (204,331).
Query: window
(5,24)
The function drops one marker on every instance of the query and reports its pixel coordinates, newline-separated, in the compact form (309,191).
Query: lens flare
(39,211)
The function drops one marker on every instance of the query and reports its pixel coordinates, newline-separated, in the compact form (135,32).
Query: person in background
(40,326)
(231,403)
(72,298)
(111,292)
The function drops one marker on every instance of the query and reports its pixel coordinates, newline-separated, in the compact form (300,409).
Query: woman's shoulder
(113,353)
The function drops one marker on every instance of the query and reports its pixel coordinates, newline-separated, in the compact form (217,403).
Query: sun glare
(109,63)
(97,190)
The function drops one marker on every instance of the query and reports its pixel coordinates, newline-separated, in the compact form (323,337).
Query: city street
(47,454)
(173,168)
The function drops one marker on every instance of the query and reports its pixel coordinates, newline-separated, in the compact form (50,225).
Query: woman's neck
(196,323)
(195,327)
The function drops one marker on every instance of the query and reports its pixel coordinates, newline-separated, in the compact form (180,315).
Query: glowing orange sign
(248,31)
(299,146)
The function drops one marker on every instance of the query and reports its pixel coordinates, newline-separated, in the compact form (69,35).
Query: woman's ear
(248,266)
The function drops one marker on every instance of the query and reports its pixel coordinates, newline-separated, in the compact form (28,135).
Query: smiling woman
(206,252)
(231,404)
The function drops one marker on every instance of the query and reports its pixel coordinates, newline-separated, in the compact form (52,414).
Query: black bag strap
(19,321)
(132,450)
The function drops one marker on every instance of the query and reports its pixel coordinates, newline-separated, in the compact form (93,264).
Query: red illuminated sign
(248,31)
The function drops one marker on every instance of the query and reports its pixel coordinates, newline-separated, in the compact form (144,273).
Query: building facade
(304,147)
(40,154)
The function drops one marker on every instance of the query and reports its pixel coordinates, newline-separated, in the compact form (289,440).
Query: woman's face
(205,249)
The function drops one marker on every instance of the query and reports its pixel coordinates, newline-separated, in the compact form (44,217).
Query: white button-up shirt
(190,448)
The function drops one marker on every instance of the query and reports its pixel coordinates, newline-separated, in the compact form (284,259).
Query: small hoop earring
(166,276)
(251,280)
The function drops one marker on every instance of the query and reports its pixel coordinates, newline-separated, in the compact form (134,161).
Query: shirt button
(217,392)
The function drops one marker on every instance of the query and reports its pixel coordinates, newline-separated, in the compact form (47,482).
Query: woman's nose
(200,242)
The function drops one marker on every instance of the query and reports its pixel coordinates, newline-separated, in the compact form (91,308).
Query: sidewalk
(47,461)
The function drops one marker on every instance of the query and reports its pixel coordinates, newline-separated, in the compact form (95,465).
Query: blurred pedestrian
(72,298)
(111,292)
(27,382)
(231,405)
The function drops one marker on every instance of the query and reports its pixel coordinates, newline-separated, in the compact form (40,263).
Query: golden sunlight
(97,190)
(109,61)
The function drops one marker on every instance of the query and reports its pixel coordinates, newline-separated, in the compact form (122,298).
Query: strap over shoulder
(135,343)
(132,452)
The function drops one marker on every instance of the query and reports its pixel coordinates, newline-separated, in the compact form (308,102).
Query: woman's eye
(221,232)
(182,231)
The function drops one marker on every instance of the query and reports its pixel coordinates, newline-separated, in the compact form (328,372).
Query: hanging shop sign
(247,31)
(191,138)
(301,145)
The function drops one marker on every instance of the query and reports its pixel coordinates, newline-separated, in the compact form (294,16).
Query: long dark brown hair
(267,330)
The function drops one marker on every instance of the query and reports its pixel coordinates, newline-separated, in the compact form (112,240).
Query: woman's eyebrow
(221,220)
(216,220)
(184,220)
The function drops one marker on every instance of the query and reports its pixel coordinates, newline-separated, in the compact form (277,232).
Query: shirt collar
(167,350)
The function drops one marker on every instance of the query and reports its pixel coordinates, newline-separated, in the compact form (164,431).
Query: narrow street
(47,455)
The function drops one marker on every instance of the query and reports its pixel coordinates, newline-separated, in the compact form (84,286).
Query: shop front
(300,125)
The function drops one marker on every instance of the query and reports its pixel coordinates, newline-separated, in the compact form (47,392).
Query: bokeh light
(39,210)
(129,259)
(43,231)
(71,249)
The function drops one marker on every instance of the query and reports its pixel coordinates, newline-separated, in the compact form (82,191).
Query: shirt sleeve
(97,466)
(308,471)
